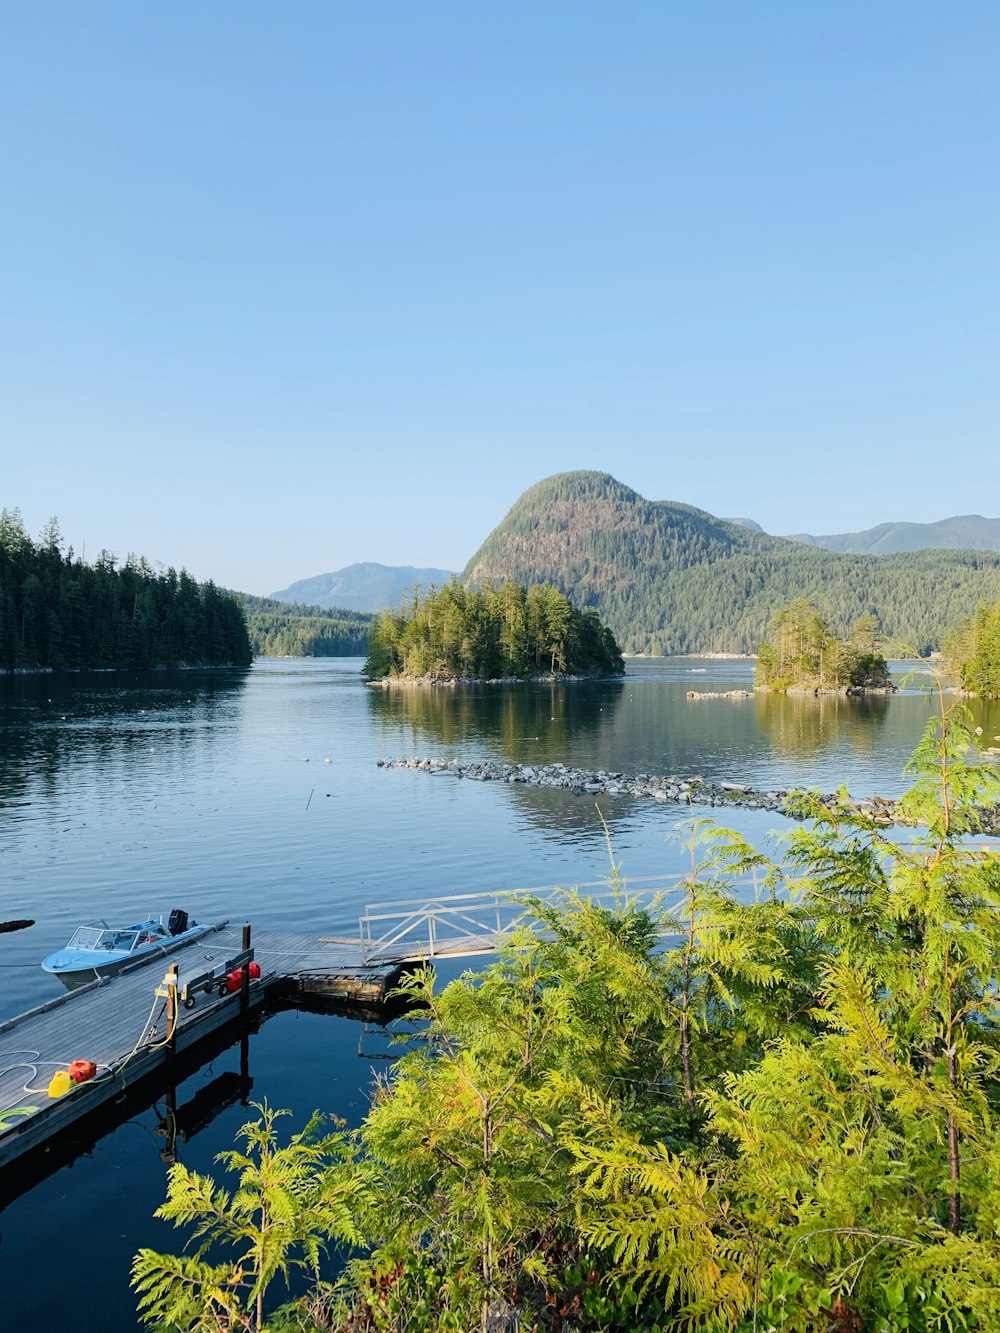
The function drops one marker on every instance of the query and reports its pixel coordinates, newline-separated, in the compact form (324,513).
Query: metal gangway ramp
(465,925)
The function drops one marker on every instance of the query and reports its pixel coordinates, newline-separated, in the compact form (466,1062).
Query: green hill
(669,578)
(286,629)
(361,587)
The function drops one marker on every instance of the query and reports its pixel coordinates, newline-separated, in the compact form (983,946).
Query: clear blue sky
(285,286)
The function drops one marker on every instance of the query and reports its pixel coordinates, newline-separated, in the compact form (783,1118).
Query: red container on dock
(234,980)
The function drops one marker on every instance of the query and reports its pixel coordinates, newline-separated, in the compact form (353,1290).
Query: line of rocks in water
(664,790)
(598,782)
(720,694)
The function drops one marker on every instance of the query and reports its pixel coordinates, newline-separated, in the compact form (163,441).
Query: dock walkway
(123,1024)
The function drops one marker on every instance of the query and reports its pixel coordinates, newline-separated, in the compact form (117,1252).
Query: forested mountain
(285,629)
(57,612)
(966,532)
(669,578)
(361,587)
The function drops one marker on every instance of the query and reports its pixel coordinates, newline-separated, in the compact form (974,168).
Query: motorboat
(100,950)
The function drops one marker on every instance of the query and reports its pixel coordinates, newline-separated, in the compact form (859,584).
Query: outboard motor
(177,922)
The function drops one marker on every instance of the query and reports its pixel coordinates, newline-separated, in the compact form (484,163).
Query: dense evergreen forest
(972,650)
(733,1112)
(504,631)
(668,578)
(59,613)
(287,629)
(802,654)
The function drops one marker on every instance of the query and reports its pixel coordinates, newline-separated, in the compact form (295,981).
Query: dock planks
(107,1024)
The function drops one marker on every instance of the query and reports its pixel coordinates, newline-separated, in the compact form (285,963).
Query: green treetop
(506,631)
(802,653)
(972,650)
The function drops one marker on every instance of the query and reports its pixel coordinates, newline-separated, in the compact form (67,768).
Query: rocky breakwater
(664,790)
(719,694)
(599,782)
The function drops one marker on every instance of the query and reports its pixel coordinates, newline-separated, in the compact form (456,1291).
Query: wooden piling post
(172,1007)
(245,976)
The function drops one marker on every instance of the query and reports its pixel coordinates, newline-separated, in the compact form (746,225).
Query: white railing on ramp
(462,925)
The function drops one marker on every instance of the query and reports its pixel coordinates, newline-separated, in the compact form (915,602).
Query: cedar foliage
(56,612)
(292,1200)
(669,578)
(509,630)
(709,1115)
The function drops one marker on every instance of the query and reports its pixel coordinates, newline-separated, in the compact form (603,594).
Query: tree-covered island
(509,631)
(802,656)
(972,651)
(58,613)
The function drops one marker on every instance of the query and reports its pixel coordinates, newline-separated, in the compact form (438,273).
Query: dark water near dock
(211,792)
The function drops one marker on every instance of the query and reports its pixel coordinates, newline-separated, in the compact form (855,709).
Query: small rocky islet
(664,790)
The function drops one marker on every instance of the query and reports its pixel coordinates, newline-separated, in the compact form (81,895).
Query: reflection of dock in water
(142,1029)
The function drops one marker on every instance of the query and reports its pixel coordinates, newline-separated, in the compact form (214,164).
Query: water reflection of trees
(538,723)
(802,726)
(572,818)
(52,725)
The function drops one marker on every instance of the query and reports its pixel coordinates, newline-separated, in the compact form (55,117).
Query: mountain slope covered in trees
(288,629)
(669,578)
(56,612)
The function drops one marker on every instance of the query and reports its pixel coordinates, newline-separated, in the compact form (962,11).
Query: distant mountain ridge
(365,586)
(965,532)
(670,578)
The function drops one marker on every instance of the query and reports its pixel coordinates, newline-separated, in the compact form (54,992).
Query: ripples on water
(211,792)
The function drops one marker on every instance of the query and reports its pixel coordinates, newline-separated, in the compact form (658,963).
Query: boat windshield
(97,937)
(92,937)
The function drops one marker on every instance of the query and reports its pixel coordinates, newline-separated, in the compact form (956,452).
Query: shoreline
(452,682)
(705,657)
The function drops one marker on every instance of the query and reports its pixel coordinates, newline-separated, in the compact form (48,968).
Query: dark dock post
(172,1007)
(245,976)
(246,1082)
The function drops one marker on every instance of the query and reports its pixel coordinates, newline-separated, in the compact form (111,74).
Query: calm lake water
(211,792)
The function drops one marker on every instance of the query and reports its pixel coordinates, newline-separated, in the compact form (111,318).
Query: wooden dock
(123,1024)
(138,1029)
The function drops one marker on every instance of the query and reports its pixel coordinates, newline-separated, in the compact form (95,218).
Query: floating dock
(151,1021)
(134,1025)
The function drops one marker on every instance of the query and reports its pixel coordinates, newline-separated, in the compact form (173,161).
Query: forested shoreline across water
(59,613)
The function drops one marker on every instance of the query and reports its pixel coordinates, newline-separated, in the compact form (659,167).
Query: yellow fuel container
(61,1083)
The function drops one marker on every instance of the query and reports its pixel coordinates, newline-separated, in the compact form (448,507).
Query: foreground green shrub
(785,1117)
